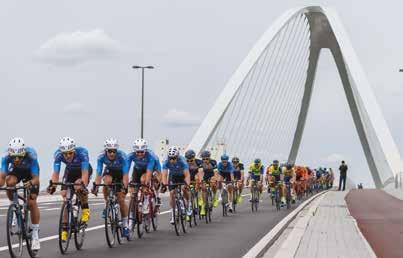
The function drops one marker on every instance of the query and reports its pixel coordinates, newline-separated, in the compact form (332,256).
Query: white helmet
(16,147)
(111,144)
(67,144)
(140,145)
(173,151)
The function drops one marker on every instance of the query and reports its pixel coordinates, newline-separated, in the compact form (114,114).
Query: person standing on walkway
(343,175)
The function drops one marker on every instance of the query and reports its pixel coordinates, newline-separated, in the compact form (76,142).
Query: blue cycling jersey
(30,161)
(228,169)
(145,163)
(176,169)
(80,160)
(157,165)
(119,163)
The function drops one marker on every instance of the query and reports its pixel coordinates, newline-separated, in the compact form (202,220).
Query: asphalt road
(231,236)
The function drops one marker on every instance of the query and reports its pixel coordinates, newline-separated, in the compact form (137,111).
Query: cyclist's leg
(11,180)
(107,180)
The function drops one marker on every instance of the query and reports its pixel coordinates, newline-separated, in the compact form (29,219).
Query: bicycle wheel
(67,227)
(210,205)
(14,232)
(253,199)
(176,218)
(257,197)
(182,214)
(195,206)
(118,223)
(79,233)
(139,222)
(154,218)
(110,226)
(132,220)
(28,233)
(235,195)
(207,208)
(224,203)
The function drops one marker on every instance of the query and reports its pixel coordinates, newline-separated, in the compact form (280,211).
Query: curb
(260,248)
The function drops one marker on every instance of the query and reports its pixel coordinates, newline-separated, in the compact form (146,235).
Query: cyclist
(209,174)
(175,170)
(112,166)
(78,170)
(144,162)
(275,175)
(226,172)
(238,176)
(300,179)
(256,171)
(289,178)
(20,163)
(156,177)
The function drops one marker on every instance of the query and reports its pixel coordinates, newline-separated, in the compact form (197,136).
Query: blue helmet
(205,154)
(190,154)
(257,161)
(224,157)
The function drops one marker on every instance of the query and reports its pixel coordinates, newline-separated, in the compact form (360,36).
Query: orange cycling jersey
(301,172)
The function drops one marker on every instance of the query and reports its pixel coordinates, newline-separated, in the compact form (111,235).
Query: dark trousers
(342,180)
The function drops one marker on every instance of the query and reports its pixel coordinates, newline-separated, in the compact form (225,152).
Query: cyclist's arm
(2,178)
(164,176)
(100,166)
(3,170)
(187,176)
(125,180)
(56,170)
(125,170)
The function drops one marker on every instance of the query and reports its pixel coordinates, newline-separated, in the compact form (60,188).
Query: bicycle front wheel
(79,232)
(65,228)
(110,226)
(14,232)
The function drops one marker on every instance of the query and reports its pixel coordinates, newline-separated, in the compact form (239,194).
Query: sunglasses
(68,153)
(140,152)
(190,160)
(172,158)
(112,151)
(206,159)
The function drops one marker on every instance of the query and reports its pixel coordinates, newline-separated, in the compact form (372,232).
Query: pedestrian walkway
(325,228)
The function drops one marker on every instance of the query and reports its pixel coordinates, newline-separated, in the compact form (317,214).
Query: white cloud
(335,157)
(74,107)
(67,49)
(180,118)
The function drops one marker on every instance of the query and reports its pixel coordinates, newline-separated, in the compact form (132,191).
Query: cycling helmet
(235,159)
(16,147)
(67,144)
(275,162)
(140,145)
(224,157)
(205,154)
(173,151)
(190,154)
(289,166)
(111,144)
(257,161)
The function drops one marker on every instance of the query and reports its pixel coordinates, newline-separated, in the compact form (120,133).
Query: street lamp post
(142,94)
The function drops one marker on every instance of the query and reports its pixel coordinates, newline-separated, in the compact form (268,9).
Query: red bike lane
(380,219)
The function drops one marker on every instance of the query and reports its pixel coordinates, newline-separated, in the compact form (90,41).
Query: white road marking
(4,248)
(52,209)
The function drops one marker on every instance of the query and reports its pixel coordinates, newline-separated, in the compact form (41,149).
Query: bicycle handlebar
(108,185)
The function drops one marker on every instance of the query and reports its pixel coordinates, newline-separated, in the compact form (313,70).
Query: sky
(65,70)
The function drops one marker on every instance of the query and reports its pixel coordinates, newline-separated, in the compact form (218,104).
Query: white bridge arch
(324,30)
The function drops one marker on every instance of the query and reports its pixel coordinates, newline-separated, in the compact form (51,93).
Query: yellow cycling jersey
(289,172)
(257,170)
(274,172)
